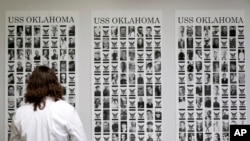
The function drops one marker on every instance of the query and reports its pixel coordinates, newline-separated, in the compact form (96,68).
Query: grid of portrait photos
(31,45)
(127,99)
(211,80)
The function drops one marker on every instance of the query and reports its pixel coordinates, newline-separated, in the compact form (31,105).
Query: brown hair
(43,82)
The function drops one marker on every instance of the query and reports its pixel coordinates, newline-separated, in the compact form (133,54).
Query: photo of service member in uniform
(19,30)
(19,67)
(72,30)
(19,42)
(37,30)
(181,43)
(11,90)
(114,31)
(123,31)
(28,54)
(140,31)
(28,30)
(54,56)
(45,54)
(148,32)
(72,66)
(54,66)
(63,42)
(54,30)
(140,43)
(224,31)
(37,55)
(97,31)
(63,66)
(97,55)
(215,42)
(63,54)
(28,67)
(105,43)
(71,42)
(63,78)
(157,55)
(19,54)
(198,31)
(131,31)
(11,54)
(181,31)
(37,42)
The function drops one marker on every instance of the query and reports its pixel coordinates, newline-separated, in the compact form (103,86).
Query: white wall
(84,8)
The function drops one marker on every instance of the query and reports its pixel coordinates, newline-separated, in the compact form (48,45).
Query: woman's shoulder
(24,107)
(23,111)
(61,104)
(60,108)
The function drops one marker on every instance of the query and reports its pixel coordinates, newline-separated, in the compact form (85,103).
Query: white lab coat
(58,121)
